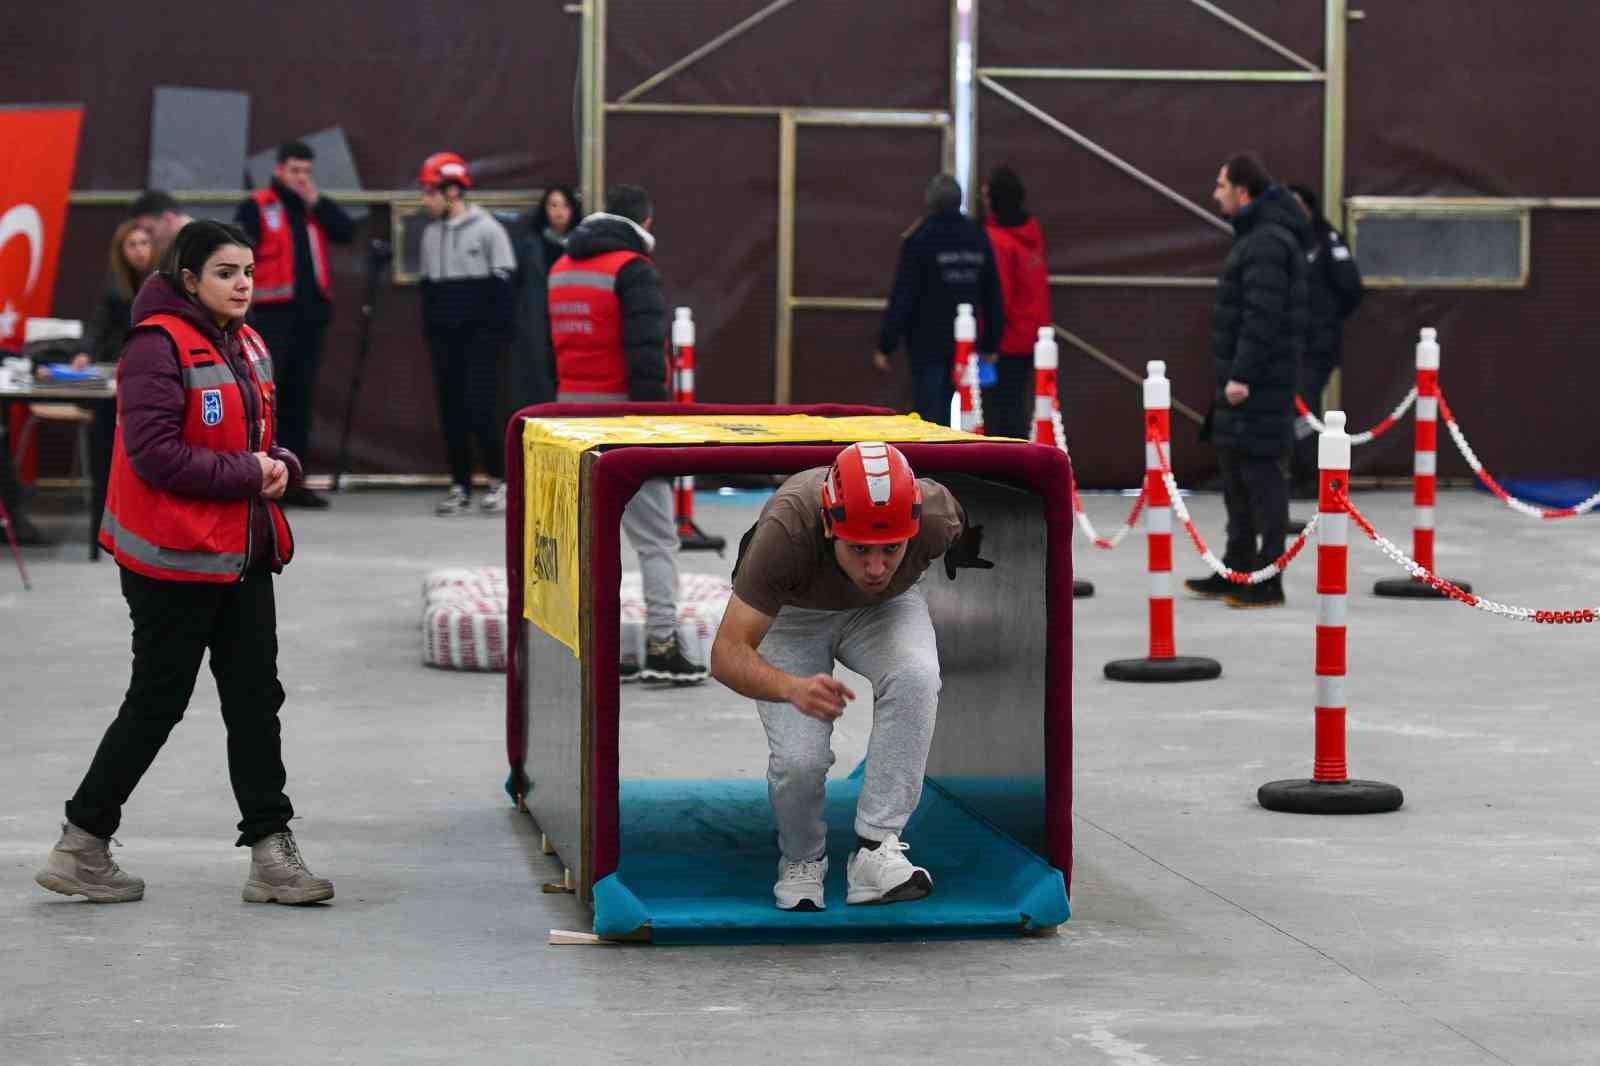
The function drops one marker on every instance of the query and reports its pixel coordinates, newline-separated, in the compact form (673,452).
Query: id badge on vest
(211,407)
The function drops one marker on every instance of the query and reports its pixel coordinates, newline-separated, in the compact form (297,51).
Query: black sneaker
(1214,587)
(628,670)
(1268,593)
(664,661)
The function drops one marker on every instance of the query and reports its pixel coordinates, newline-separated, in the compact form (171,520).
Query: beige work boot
(81,865)
(278,874)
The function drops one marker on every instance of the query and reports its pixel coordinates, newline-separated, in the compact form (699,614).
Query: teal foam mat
(699,859)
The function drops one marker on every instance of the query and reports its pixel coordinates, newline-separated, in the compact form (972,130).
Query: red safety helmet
(871,495)
(442,167)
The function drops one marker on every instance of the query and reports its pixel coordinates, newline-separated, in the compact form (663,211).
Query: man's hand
(880,361)
(821,696)
(963,553)
(274,476)
(1237,392)
(308,191)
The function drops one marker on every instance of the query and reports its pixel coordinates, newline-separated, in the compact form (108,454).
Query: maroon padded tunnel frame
(617,474)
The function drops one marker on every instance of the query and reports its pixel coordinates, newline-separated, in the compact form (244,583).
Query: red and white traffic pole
(1046,410)
(1163,663)
(1330,790)
(690,537)
(965,371)
(1424,473)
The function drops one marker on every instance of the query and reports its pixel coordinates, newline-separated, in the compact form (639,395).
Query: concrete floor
(1459,930)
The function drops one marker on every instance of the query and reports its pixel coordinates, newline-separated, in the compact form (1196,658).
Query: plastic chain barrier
(1370,435)
(1439,584)
(1520,506)
(1238,577)
(1047,429)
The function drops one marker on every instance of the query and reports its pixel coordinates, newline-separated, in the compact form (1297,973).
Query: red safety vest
(186,538)
(275,251)
(586,324)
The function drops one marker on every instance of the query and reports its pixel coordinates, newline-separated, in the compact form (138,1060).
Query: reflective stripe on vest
(587,279)
(207,377)
(140,550)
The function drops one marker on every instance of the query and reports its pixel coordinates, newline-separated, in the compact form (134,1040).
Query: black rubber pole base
(1330,797)
(1179,668)
(1082,590)
(1411,589)
(694,539)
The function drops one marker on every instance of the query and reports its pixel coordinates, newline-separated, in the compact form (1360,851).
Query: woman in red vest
(193,521)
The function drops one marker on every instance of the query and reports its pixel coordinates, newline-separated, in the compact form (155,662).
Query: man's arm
(644,330)
(248,218)
(736,663)
(991,298)
(1265,278)
(1344,276)
(338,226)
(902,300)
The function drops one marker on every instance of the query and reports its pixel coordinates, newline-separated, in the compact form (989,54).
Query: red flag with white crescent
(41,147)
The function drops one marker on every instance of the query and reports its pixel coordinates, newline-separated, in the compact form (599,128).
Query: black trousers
(1313,379)
(1257,498)
(295,341)
(466,376)
(931,390)
(174,623)
(1007,403)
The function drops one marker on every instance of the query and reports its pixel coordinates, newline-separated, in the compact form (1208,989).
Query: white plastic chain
(1416,570)
(1253,577)
(1376,431)
(1106,543)
(1520,506)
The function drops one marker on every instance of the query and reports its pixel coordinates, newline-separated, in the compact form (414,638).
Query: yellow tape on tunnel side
(553,450)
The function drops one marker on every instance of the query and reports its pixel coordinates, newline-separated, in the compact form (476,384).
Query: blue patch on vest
(211,406)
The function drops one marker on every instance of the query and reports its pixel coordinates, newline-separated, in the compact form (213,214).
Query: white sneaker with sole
(456,502)
(494,500)
(799,886)
(884,874)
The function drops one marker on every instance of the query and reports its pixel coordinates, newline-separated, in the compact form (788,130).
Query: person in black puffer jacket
(1258,334)
(1334,286)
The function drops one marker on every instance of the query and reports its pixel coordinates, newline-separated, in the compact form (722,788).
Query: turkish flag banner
(40,148)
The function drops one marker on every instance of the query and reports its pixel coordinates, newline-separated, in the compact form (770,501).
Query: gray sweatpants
(651,527)
(892,645)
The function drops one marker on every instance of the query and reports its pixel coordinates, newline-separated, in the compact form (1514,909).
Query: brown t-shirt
(785,561)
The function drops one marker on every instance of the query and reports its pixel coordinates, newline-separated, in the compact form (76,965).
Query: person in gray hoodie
(467,314)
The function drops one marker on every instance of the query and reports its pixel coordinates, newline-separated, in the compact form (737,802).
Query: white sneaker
(457,502)
(494,500)
(799,886)
(884,874)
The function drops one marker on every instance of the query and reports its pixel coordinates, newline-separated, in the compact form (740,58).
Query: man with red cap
(830,571)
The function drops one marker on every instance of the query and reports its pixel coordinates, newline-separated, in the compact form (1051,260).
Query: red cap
(871,496)
(442,167)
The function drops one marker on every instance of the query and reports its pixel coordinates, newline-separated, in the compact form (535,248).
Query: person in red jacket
(193,520)
(1019,256)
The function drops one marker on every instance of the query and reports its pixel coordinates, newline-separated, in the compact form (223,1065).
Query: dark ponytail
(194,244)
